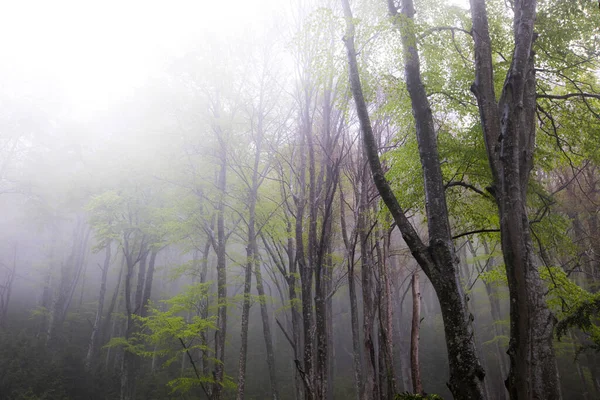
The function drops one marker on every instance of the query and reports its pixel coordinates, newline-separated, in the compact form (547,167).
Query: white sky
(98,51)
(94,52)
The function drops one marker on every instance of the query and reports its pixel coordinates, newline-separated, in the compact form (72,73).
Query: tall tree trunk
(415,366)
(100,307)
(204,312)
(509,131)
(220,250)
(438,260)
(350,244)
(108,328)
(148,282)
(304,269)
(371,389)
(386,316)
(264,312)
(296,318)
(250,261)
(70,274)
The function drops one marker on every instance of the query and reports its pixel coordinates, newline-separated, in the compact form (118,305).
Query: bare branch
(568,96)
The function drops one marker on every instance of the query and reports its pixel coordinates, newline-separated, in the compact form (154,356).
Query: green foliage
(174,332)
(584,317)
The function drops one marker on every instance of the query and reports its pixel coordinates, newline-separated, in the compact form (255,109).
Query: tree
(509,131)
(438,259)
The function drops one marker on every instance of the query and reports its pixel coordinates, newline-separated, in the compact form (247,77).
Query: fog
(186,206)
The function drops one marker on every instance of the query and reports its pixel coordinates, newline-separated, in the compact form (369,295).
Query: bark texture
(509,129)
(415,366)
(437,259)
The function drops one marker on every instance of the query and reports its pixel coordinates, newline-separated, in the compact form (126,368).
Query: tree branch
(474,232)
(466,185)
(568,96)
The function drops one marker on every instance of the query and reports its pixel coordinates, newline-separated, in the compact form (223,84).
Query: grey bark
(415,366)
(371,388)
(220,250)
(350,243)
(147,292)
(438,259)
(108,328)
(509,131)
(92,347)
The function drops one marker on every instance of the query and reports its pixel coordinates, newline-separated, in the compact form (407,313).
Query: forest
(300,200)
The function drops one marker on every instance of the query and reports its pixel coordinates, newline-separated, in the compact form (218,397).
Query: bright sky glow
(96,52)
(93,53)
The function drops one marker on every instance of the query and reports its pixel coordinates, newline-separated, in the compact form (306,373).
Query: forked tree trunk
(438,259)
(509,132)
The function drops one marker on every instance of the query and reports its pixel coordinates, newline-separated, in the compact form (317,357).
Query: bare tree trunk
(293,297)
(415,366)
(438,259)
(250,261)
(509,132)
(371,389)
(386,317)
(70,274)
(220,250)
(107,328)
(267,332)
(135,251)
(100,307)
(304,270)
(350,244)
(148,282)
(204,312)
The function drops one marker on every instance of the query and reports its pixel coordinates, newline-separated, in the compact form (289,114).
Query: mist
(191,206)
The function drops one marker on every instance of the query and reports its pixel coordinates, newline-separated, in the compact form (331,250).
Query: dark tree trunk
(220,250)
(350,244)
(148,282)
(415,366)
(96,327)
(70,274)
(264,312)
(438,260)
(371,388)
(304,268)
(204,312)
(250,261)
(509,131)
(386,317)
(134,254)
